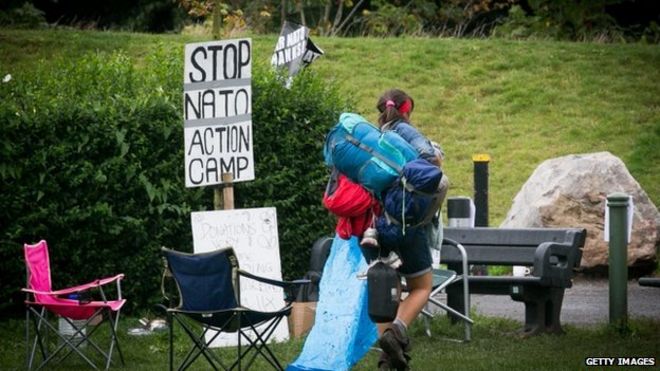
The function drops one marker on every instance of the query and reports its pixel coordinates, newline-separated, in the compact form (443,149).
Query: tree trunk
(338,15)
(301,9)
(325,22)
(283,11)
(217,19)
(350,14)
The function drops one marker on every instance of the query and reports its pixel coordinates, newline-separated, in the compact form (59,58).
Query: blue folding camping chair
(209,295)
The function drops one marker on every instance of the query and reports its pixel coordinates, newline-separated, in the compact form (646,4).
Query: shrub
(562,20)
(91,159)
(390,20)
(25,16)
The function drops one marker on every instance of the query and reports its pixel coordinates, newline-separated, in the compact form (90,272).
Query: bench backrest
(501,246)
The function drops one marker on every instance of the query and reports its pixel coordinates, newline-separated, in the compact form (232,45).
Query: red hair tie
(405,107)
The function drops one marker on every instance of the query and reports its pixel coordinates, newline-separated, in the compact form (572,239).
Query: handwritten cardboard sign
(217,110)
(253,235)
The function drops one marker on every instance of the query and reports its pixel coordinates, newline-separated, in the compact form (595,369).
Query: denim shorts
(412,247)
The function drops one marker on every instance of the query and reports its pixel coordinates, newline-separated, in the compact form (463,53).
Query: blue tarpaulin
(342,332)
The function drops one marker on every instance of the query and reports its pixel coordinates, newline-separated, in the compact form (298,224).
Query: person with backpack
(410,243)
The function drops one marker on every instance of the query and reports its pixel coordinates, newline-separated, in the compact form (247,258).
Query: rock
(571,191)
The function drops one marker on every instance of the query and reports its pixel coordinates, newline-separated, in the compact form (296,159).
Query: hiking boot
(384,362)
(396,345)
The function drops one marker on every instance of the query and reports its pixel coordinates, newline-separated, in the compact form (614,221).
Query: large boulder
(572,191)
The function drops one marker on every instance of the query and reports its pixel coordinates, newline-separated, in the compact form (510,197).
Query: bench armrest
(554,262)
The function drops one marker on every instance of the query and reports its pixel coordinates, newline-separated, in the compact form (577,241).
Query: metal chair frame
(237,319)
(37,314)
(444,278)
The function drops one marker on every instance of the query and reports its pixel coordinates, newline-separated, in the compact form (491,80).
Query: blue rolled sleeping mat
(363,153)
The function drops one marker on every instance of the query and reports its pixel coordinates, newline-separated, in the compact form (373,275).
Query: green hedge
(91,159)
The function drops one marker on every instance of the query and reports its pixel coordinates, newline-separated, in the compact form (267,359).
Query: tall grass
(521,102)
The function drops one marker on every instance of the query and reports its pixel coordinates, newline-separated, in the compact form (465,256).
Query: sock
(402,325)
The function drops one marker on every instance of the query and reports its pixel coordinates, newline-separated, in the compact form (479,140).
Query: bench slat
(508,237)
(499,285)
(503,246)
(493,255)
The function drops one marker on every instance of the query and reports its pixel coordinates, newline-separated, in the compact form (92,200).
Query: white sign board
(217,111)
(253,235)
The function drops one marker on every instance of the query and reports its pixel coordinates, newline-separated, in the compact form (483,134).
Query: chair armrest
(314,277)
(553,263)
(79,288)
(270,281)
(288,286)
(107,280)
(66,291)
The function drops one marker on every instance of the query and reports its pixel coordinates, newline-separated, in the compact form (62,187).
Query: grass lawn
(495,345)
(521,102)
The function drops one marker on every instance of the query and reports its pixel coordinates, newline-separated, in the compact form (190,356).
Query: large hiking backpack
(366,155)
(416,198)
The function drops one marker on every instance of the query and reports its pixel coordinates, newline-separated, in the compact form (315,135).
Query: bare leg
(419,292)
(393,338)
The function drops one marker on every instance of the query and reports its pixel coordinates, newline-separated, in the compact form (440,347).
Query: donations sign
(253,235)
(294,49)
(217,110)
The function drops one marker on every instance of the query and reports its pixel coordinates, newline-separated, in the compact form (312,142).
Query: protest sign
(294,49)
(217,109)
(252,233)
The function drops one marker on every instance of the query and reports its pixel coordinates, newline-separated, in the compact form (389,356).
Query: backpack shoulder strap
(354,141)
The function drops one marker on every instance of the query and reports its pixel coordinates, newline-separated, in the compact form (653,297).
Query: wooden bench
(552,253)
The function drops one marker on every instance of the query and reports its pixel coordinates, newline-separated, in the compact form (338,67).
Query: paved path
(586,303)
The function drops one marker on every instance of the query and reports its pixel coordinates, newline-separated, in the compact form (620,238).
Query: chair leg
(170,324)
(28,358)
(263,339)
(38,341)
(114,340)
(87,337)
(37,319)
(259,343)
(48,326)
(72,347)
(240,326)
(201,346)
(27,340)
(427,321)
(42,328)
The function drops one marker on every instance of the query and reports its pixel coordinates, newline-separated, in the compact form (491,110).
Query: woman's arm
(421,144)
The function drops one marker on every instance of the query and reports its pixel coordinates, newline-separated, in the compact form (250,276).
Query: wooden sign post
(223,195)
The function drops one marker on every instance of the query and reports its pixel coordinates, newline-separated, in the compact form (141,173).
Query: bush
(562,20)
(25,16)
(91,159)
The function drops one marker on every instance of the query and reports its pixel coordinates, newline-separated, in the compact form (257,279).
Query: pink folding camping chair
(75,308)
